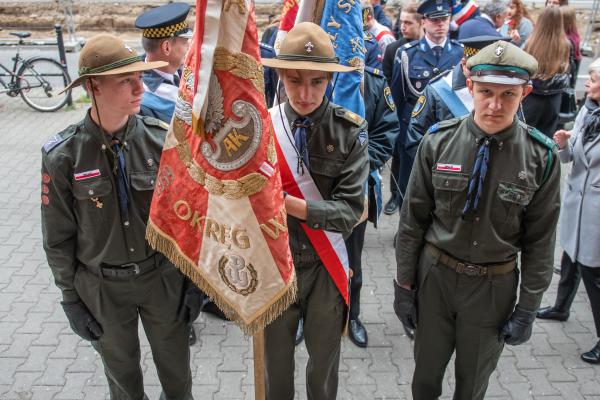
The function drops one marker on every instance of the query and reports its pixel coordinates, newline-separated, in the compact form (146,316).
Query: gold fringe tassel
(159,241)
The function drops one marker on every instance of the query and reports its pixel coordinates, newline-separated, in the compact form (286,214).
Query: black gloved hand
(517,330)
(193,299)
(82,321)
(405,306)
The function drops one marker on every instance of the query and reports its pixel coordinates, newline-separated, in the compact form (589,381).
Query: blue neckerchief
(122,187)
(478,176)
(301,125)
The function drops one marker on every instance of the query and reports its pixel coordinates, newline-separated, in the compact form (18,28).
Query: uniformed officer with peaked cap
(98,178)
(168,20)
(415,64)
(446,96)
(483,189)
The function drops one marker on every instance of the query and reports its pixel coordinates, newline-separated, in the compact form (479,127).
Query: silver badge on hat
(309,47)
(499,50)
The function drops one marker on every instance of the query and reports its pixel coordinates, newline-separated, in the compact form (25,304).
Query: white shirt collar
(165,75)
(432,45)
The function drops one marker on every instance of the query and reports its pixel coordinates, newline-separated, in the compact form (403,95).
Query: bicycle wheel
(40,82)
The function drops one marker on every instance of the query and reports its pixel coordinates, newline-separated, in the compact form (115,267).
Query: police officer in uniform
(97,183)
(331,146)
(483,189)
(382,120)
(165,36)
(446,96)
(373,56)
(414,65)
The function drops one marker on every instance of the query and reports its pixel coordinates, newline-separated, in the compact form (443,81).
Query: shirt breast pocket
(450,192)
(142,189)
(512,201)
(93,200)
(325,172)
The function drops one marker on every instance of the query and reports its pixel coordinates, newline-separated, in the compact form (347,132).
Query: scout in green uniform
(484,188)
(98,178)
(332,144)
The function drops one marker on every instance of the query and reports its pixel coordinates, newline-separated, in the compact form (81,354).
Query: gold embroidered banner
(218,210)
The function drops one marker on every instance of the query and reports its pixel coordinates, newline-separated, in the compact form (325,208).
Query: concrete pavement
(41,358)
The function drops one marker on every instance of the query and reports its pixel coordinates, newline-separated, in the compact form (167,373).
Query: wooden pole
(258,345)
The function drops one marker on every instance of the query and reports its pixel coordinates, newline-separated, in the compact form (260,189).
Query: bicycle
(39,80)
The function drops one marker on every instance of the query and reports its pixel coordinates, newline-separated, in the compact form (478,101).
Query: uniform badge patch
(522,175)
(45,200)
(362,137)
(387,95)
(419,106)
(330,148)
(46,178)
(449,167)
(53,142)
(80,176)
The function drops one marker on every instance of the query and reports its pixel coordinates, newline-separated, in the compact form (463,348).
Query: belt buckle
(471,270)
(132,267)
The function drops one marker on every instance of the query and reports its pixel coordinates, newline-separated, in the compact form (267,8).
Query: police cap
(165,21)
(473,44)
(432,9)
(504,63)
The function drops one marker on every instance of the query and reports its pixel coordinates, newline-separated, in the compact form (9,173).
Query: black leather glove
(405,305)
(192,302)
(82,321)
(517,330)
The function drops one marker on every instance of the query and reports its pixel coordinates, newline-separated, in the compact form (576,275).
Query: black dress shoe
(192,339)
(392,205)
(410,332)
(299,333)
(592,356)
(211,308)
(552,313)
(358,333)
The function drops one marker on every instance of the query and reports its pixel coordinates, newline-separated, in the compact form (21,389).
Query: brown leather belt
(462,267)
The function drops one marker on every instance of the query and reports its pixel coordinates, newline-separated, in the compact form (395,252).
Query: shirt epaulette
(539,136)
(151,121)
(410,44)
(349,116)
(59,138)
(443,125)
(374,71)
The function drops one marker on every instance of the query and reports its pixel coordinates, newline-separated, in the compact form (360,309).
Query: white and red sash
(330,246)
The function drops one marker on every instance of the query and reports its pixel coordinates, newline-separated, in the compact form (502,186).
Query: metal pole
(258,344)
(62,55)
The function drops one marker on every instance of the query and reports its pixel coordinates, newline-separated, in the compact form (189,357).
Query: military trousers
(461,313)
(154,298)
(354,245)
(323,310)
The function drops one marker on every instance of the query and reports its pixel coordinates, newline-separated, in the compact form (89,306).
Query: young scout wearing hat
(98,178)
(330,154)
(483,188)
(165,37)
(446,96)
(415,64)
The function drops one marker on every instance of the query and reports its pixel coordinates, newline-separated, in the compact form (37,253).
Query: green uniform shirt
(339,165)
(518,209)
(81,221)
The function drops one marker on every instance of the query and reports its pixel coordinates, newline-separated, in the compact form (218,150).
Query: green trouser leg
(117,304)
(463,313)
(323,310)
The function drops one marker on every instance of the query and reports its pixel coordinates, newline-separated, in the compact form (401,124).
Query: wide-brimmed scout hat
(503,63)
(308,47)
(106,54)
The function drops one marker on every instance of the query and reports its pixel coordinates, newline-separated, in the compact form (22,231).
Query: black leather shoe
(358,333)
(299,333)
(552,313)
(392,205)
(592,356)
(192,339)
(410,332)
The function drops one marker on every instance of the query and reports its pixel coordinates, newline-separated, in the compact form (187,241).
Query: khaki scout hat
(106,54)
(502,63)
(308,47)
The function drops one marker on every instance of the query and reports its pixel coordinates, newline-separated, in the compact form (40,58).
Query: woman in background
(551,48)
(570,24)
(518,25)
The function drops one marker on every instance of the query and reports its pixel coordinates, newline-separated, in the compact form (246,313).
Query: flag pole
(258,346)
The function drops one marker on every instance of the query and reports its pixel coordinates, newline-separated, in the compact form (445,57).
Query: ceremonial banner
(218,211)
(287,21)
(342,20)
